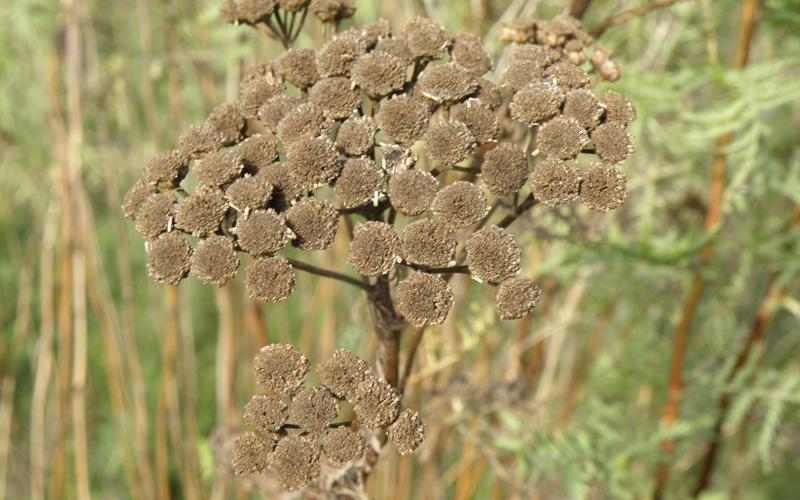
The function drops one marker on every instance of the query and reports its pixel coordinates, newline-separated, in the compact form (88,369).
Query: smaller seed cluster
(294,427)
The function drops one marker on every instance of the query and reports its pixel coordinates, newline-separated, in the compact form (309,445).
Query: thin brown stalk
(713,220)
(578,8)
(410,355)
(625,16)
(326,273)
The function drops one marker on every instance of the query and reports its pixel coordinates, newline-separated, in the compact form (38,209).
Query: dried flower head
(487,93)
(411,192)
(426,38)
(461,204)
(424,299)
(214,260)
(343,372)
(521,73)
(305,121)
(379,75)
(155,214)
(356,136)
(314,223)
(285,188)
(359,183)
(254,11)
(468,52)
(562,138)
(567,75)
(403,119)
(447,82)
(396,47)
(449,142)
(229,121)
(336,97)
(250,453)
(166,170)
(298,67)
(200,140)
(135,197)
(375,248)
(168,258)
(376,31)
(479,118)
(295,461)
(536,103)
(275,109)
(258,151)
(619,109)
(493,254)
(270,279)
(376,403)
(429,243)
(313,409)
(218,169)
(280,368)
(554,182)
(262,232)
(201,213)
(407,432)
(612,144)
(329,11)
(540,55)
(249,193)
(314,162)
(266,413)
(583,106)
(342,446)
(337,56)
(516,297)
(505,169)
(603,188)
(293,5)
(256,90)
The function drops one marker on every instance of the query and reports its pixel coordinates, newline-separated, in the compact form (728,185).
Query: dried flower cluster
(295,426)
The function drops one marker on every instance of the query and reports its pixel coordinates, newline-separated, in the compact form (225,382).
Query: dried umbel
(155,214)
(250,453)
(468,52)
(202,213)
(536,103)
(562,138)
(166,170)
(295,461)
(298,67)
(266,413)
(446,82)
(218,169)
(479,118)
(403,119)
(379,75)
(229,121)
(313,223)
(336,97)
(356,136)
(249,193)
(314,408)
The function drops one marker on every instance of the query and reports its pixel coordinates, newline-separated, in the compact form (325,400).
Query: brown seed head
(168,258)
(447,82)
(407,432)
(293,5)
(429,243)
(336,57)
(359,183)
(583,106)
(270,279)
(554,182)
(200,140)
(250,453)
(304,121)
(376,403)
(424,299)
(275,109)
(295,461)
(541,56)
(562,138)
(249,193)
(266,413)
(229,121)
(516,297)
(254,11)
(487,93)
(567,75)
(336,97)
(375,248)
(536,103)
(298,67)
(201,213)
(218,169)
(314,223)
(135,197)
(256,90)
(619,109)
(342,446)
(375,32)
(280,368)
(612,144)
(154,214)
(505,169)
(604,188)
(285,188)
(396,47)
(461,204)
(343,372)
(426,39)
(449,142)
(411,192)
(258,151)
(379,75)
(356,136)
(403,119)
(214,261)
(520,74)
(479,119)
(166,170)
(493,254)
(468,52)
(314,162)
(313,409)
(329,11)
(262,232)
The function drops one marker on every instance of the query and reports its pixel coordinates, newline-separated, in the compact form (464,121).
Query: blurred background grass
(565,404)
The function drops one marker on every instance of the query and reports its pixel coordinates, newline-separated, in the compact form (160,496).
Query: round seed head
(567,75)
(262,232)
(135,197)
(313,409)
(468,52)
(258,151)
(168,258)
(336,97)
(254,11)
(259,72)
(304,121)
(540,55)
(518,75)
(314,223)
(424,299)
(619,109)
(562,138)
(229,11)
(359,183)
(407,432)
(342,446)
(493,254)
(375,32)
(403,119)
(280,368)
(429,243)
(218,169)
(612,144)
(375,248)
(505,169)
(270,279)
(343,372)
(250,453)
(411,192)
(397,159)
(536,103)
(488,94)
(200,140)
(229,121)
(449,142)
(461,204)
(293,5)
(356,136)
(314,162)
(214,261)
(249,193)
(396,47)
(479,119)
(379,75)
(329,11)
(166,170)
(285,187)
(275,109)
(516,297)
(265,413)
(296,462)
(426,39)
(603,188)
(376,403)
(256,90)
(554,182)
(201,213)
(154,215)
(337,56)
(446,82)
(298,67)
(583,106)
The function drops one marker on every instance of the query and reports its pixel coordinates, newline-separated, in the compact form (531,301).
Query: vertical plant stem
(578,8)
